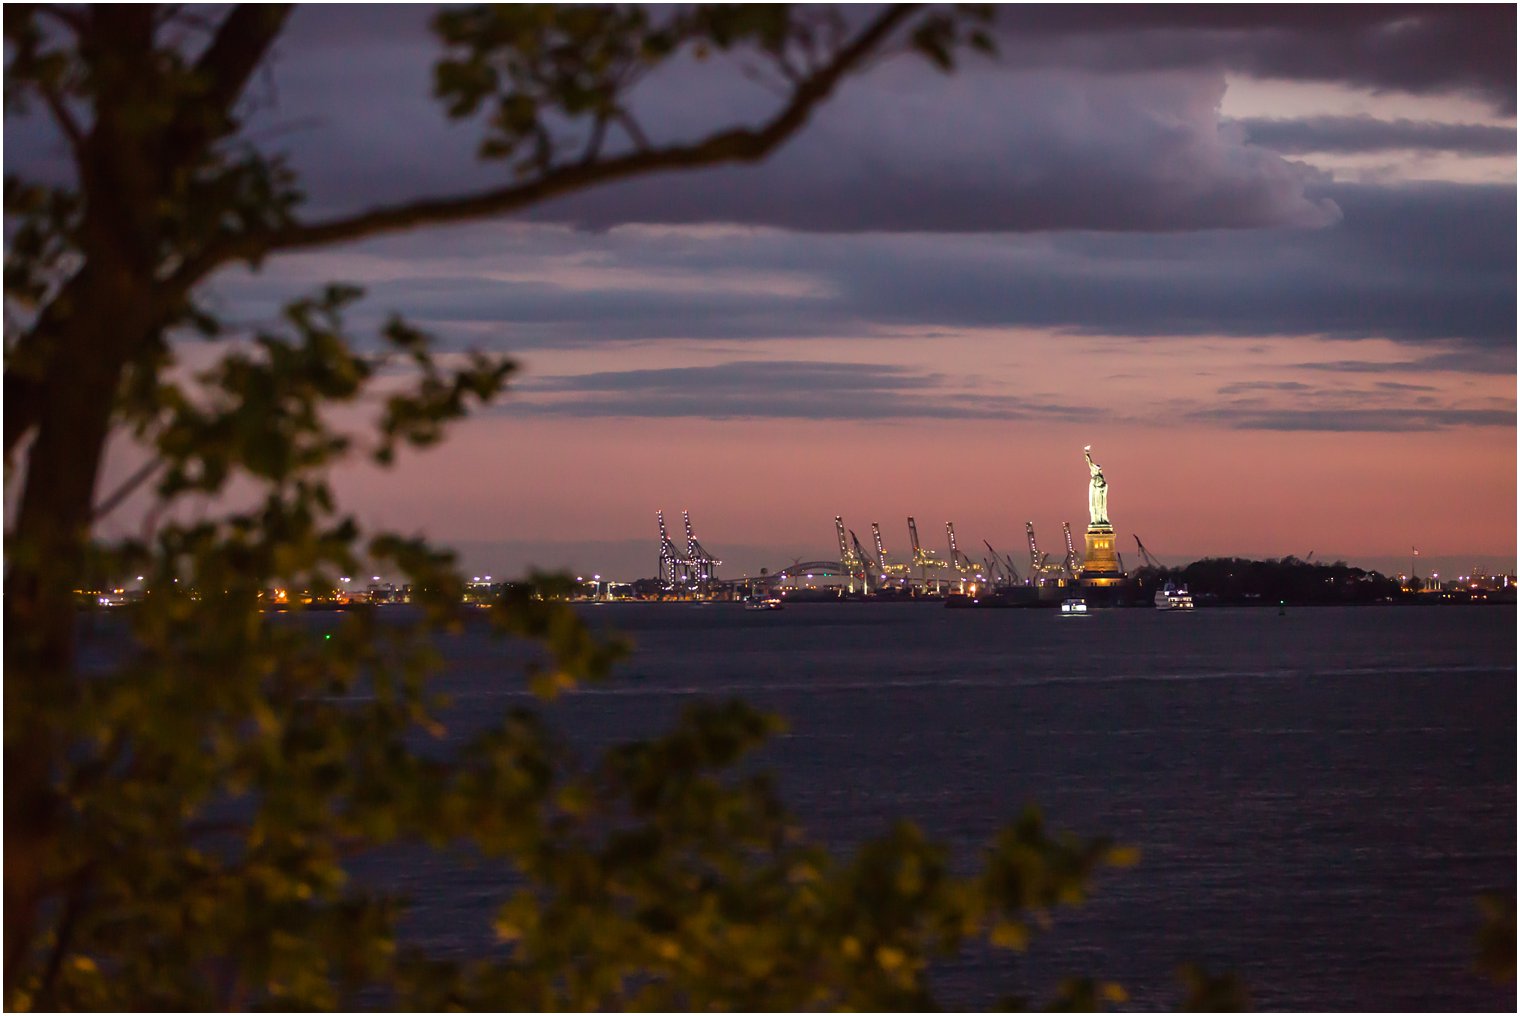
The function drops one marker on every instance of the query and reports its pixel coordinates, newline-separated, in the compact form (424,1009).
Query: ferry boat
(767,603)
(1074,607)
(1173,598)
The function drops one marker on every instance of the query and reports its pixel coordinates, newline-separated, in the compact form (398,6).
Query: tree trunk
(47,557)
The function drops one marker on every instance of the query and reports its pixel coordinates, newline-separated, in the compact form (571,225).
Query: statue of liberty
(1097,491)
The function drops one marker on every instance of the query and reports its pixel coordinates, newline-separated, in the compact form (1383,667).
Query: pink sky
(1188,490)
(932,299)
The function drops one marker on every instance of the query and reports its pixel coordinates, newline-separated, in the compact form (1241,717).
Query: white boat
(1173,598)
(1074,607)
(768,603)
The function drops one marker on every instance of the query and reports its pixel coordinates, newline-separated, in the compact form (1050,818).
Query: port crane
(1037,560)
(960,562)
(850,562)
(672,562)
(1145,555)
(702,566)
(869,575)
(1072,565)
(1003,562)
(923,559)
(887,568)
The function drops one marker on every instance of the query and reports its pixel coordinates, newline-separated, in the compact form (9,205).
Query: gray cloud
(831,390)
(1399,386)
(1368,134)
(782,389)
(1497,360)
(993,147)
(1417,264)
(1413,48)
(1241,387)
(1392,420)
(990,150)
(744,376)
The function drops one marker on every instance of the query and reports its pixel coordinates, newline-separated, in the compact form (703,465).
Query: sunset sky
(1262,260)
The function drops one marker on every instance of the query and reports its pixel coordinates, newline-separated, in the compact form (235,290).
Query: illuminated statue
(1097,491)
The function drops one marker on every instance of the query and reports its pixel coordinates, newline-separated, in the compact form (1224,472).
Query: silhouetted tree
(179,828)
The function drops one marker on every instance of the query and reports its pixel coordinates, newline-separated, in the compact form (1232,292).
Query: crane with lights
(1071,565)
(701,566)
(923,559)
(851,563)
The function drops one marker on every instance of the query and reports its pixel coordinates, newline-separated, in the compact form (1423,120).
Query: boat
(1074,607)
(1174,598)
(767,603)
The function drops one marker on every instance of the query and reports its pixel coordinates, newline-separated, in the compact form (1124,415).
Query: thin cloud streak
(1368,134)
(1386,421)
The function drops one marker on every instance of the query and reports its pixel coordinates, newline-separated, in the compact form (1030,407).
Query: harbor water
(1318,798)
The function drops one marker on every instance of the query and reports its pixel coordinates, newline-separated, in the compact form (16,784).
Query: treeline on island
(1236,580)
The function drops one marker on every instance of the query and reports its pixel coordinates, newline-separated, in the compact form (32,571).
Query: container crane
(672,563)
(887,567)
(866,571)
(1145,555)
(703,567)
(1036,559)
(1073,564)
(960,562)
(1005,562)
(849,562)
(923,559)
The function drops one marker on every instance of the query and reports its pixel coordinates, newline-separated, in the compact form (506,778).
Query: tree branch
(239,46)
(631,128)
(235,52)
(130,484)
(738,145)
(65,120)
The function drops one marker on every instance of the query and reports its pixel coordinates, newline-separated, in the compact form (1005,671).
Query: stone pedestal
(1101,565)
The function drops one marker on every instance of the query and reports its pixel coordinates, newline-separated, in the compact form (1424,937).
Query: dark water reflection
(1318,797)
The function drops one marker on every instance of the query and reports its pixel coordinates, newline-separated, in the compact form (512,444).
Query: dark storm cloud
(990,150)
(1420,49)
(1368,134)
(1391,420)
(992,147)
(1417,264)
(1096,118)
(782,389)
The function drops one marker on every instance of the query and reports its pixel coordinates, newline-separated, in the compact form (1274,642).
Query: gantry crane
(672,562)
(850,562)
(960,562)
(870,576)
(887,567)
(923,559)
(1037,560)
(1004,562)
(1072,565)
(1145,555)
(702,566)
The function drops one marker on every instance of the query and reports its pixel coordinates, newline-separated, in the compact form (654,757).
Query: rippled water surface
(1318,797)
